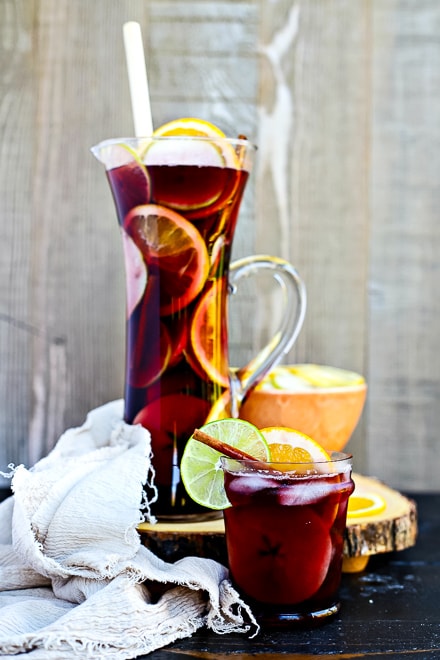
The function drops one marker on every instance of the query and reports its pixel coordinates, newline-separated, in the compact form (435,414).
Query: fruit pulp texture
(285,538)
(176,345)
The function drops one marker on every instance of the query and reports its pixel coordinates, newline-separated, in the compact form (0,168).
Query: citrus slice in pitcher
(128,177)
(200,467)
(173,249)
(188,126)
(208,336)
(202,167)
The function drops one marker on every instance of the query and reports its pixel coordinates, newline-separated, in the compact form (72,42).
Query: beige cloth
(73,573)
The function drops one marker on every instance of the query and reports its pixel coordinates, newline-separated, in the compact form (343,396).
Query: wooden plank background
(343,99)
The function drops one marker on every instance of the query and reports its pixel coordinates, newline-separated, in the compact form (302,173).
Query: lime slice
(200,467)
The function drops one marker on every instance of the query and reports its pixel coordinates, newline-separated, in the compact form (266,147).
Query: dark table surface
(390,611)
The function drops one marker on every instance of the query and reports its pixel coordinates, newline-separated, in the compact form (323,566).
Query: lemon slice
(365,504)
(200,467)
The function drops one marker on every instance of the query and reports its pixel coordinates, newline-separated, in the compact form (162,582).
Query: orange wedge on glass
(290,446)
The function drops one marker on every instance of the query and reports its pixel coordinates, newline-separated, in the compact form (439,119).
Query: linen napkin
(75,580)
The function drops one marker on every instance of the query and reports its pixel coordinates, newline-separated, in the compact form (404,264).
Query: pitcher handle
(246,378)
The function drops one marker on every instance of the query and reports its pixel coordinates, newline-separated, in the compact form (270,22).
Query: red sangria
(177,208)
(177,196)
(284,534)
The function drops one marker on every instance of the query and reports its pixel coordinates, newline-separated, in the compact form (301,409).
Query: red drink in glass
(284,534)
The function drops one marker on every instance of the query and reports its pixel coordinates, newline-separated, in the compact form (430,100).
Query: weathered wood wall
(343,99)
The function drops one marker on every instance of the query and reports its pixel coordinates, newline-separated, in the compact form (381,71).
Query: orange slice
(188,126)
(208,335)
(204,167)
(365,504)
(211,135)
(172,248)
(290,446)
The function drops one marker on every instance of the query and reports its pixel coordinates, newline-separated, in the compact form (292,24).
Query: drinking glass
(285,535)
(177,201)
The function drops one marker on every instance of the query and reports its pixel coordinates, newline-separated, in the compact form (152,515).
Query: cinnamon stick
(222,447)
(228,450)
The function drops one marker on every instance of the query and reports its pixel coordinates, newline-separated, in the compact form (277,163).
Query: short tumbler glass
(285,536)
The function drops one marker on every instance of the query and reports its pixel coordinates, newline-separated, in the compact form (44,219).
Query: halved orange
(321,401)
(174,250)
(208,336)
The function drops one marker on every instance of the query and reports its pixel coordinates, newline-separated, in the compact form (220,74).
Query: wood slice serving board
(394,528)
